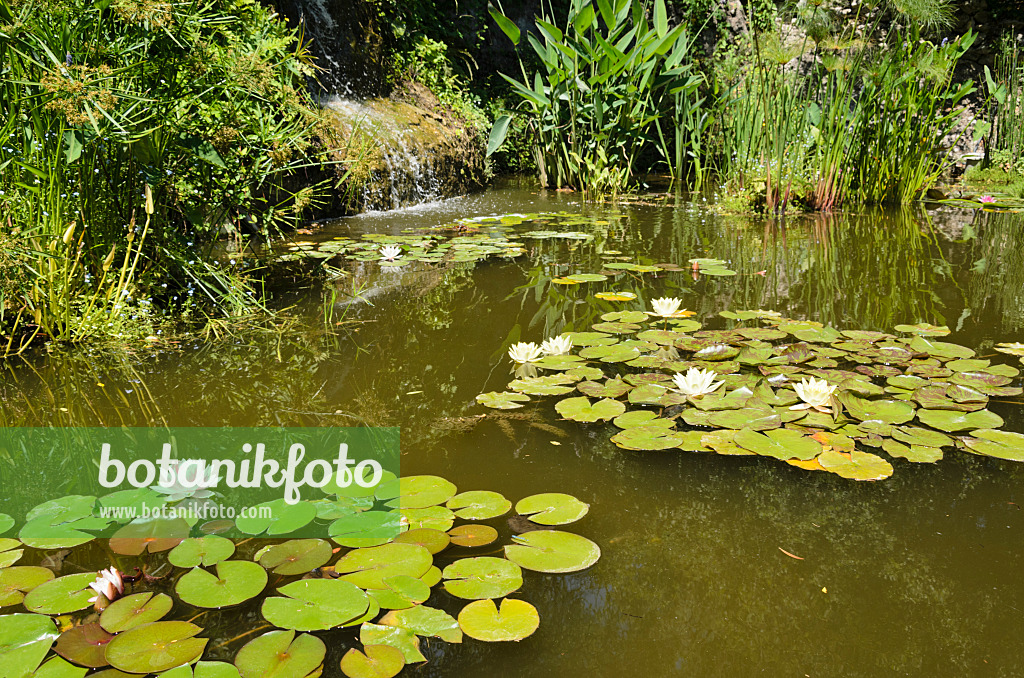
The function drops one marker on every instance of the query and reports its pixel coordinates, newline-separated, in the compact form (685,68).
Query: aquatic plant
(525,352)
(378,576)
(795,390)
(559,345)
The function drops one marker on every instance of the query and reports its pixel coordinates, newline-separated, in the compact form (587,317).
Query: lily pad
(939,349)
(433,540)
(552,508)
(58,667)
(886,411)
(431,517)
(855,466)
(782,444)
(552,551)
(152,536)
(201,551)
(502,401)
(281,654)
(425,621)
(611,388)
(368,528)
(543,386)
(395,636)
(156,647)
(479,505)
(315,604)
(84,645)
(296,556)
(471,536)
(236,581)
(920,454)
(135,610)
(483,620)
(998,444)
(648,438)
(402,592)
(950,420)
(15,582)
(61,595)
(416,491)
(24,641)
(580,409)
(923,330)
(483,577)
(284,518)
(379,661)
(367,568)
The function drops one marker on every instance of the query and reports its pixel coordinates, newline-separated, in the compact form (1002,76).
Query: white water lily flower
(697,382)
(815,393)
(666,306)
(525,352)
(557,345)
(390,252)
(108,584)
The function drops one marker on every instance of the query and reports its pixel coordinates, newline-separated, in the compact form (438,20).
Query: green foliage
(608,85)
(130,138)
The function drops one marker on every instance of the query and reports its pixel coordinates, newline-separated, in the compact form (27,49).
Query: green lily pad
(367,568)
(315,604)
(580,409)
(647,438)
(413,492)
(781,444)
(625,316)
(985,382)
(950,420)
(425,621)
(585,373)
(395,636)
(648,394)
(592,339)
(284,518)
(281,654)
(999,444)
(939,349)
(503,400)
(922,329)
(552,551)
(479,505)
(402,592)
(554,384)
(920,454)
(886,411)
(913,435)
(10,553)
(61,595)
(616,328)
(368,528)
(156,647)
(58,667)
(15,582)
(432,539)
(379,661)
(202,551)
(236,581)
(635,418)
(24,641)
(431,517)
(483,577)
(135,610)
(296,556)
(514,620)
(611,388)
(856,466)
(754,419)
(84,645)
(552,508)
(471,536)
(152,536)
(587,277)
(559,362)
(619,353)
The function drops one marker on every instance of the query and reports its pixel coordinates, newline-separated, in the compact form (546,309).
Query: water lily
(696,382)
(109,584)
(525,352)
(390,252)
(986,198)
(815,393)
(668,307)
(557,345)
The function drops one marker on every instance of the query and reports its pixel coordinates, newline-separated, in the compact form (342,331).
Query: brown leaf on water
(791,555)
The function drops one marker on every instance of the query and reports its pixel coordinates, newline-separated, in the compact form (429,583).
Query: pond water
(917,575)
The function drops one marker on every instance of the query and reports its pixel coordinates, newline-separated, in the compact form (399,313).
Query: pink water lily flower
(109,584)
(986,198)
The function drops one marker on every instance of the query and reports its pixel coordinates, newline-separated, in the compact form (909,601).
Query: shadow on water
(918,575)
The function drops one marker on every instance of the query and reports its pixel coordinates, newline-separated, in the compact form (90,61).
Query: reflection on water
(917,575)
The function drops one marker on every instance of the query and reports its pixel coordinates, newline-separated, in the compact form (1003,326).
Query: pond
(711,565)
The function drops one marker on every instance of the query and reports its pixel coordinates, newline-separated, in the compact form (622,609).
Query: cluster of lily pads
(388,554)
(465,240)
(810,395)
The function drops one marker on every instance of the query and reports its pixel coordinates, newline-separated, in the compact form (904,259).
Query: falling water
(406,175)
